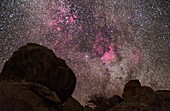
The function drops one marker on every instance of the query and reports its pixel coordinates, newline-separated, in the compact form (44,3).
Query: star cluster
(105,42)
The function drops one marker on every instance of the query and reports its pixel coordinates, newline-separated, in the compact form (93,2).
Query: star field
(105,42)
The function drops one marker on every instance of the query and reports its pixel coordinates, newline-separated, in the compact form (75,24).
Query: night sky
(105,42)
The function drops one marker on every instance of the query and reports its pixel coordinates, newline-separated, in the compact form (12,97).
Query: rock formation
(142,98)
(34,79)
(37,65)
(132,88)
(137,98)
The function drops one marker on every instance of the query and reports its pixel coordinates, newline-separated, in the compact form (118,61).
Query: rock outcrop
(35,75)
(38,64)
(132,88)
(137,98)
(142,98)
(34,79)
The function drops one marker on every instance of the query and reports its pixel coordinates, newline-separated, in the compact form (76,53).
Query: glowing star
(109,56)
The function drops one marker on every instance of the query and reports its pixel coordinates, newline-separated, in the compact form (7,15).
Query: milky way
(105,42)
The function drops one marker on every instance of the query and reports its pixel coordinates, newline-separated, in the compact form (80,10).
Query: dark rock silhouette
(34,79)
(37,65)
(132,88)
(142,98)
(137,98)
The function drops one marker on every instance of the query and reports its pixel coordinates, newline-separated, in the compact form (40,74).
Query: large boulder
(38,64)
(131,89)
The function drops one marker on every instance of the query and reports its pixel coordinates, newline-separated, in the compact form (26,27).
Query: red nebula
(61,18)
(110,55)
(101,45)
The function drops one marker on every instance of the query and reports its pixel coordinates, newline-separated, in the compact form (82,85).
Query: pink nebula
(61,18)
(110,55)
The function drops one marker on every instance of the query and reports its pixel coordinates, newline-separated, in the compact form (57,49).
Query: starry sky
(105,42)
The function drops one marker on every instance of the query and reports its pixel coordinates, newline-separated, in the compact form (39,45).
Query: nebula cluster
(105,42)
